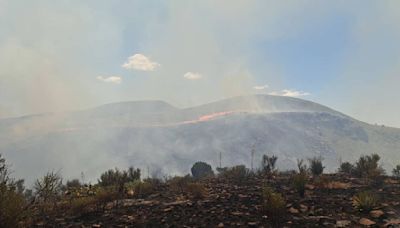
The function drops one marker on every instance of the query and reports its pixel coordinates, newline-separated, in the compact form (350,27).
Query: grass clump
(273,204)
(365,201)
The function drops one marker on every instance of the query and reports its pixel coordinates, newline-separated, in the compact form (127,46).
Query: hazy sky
(66,54)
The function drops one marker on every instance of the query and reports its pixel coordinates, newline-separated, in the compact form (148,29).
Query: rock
(293,210)
(303,208)
(392,223)
(220,224)
(376,213)
(96,225)
(252,224)
(366,222)
(343,223)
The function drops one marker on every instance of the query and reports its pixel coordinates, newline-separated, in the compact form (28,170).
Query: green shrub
(12,201)
(316,166)
(268,164)
(301,166)
(346,168)
(367,166)
(237,174)
(273,204)
(299,183)
(201,170)
(396,171)
(365,201)
(115,177)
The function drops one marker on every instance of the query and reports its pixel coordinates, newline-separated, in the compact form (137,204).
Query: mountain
(162,139)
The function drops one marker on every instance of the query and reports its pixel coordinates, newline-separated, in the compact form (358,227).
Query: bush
(299,183)
(48,187)
(144,188)
(365,201)
(201,170)
(119,178)
(196,190)
(346,168)
(237,174)
(73,184)
(301,166)
(274,205)
(367,166)
(316,166)
(179,184)
(12,202)
(268,164)
(396,171)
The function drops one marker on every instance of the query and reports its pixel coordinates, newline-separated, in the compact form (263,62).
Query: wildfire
(210,117)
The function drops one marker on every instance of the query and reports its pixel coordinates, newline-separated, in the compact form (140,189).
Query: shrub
(103,196)
(82,205)
(316,166)
(237,174)
(144,188)
(268,164)
(119,178)
(346,168)
(196,190)
(301,166)
(48,187)
(367,166)
(365,201)
(179,183)
(396,171)
(273,204)
(299,183)
(75,183)
(201,170)
(12,202)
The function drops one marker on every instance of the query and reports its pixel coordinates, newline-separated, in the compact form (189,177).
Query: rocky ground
(226,204)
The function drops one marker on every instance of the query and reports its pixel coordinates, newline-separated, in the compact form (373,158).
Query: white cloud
(111,79)
(192,76)
(262,87)
(140,62)
(290,93)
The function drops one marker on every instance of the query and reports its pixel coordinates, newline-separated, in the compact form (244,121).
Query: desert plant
(48,187)
(316,166)
(144,188)
(179,184)
(365,201)
(201,170)
(299,183)
(301,166)
(74,183)
(346,168)
(237,174)
(12,201)
(396,171)
(273,204)
(367,166)
(196,190)
(117,178)
(268,164)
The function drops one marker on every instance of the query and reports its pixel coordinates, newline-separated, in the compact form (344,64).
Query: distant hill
(163,139)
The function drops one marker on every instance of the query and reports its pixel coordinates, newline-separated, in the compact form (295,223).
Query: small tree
(316,166)
(48,187)
(268,164)
(12,202)
(396,171)
(346,168)
(117,178)
(201,170)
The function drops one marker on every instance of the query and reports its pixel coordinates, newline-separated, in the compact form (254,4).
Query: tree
(268,163)
(201,170)
(346,168)
(49,186)
(12,202)
(115,177)
(396,171)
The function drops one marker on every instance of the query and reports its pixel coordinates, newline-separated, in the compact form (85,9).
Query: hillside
(164,140)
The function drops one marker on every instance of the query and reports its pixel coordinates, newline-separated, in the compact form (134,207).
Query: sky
(70,54)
